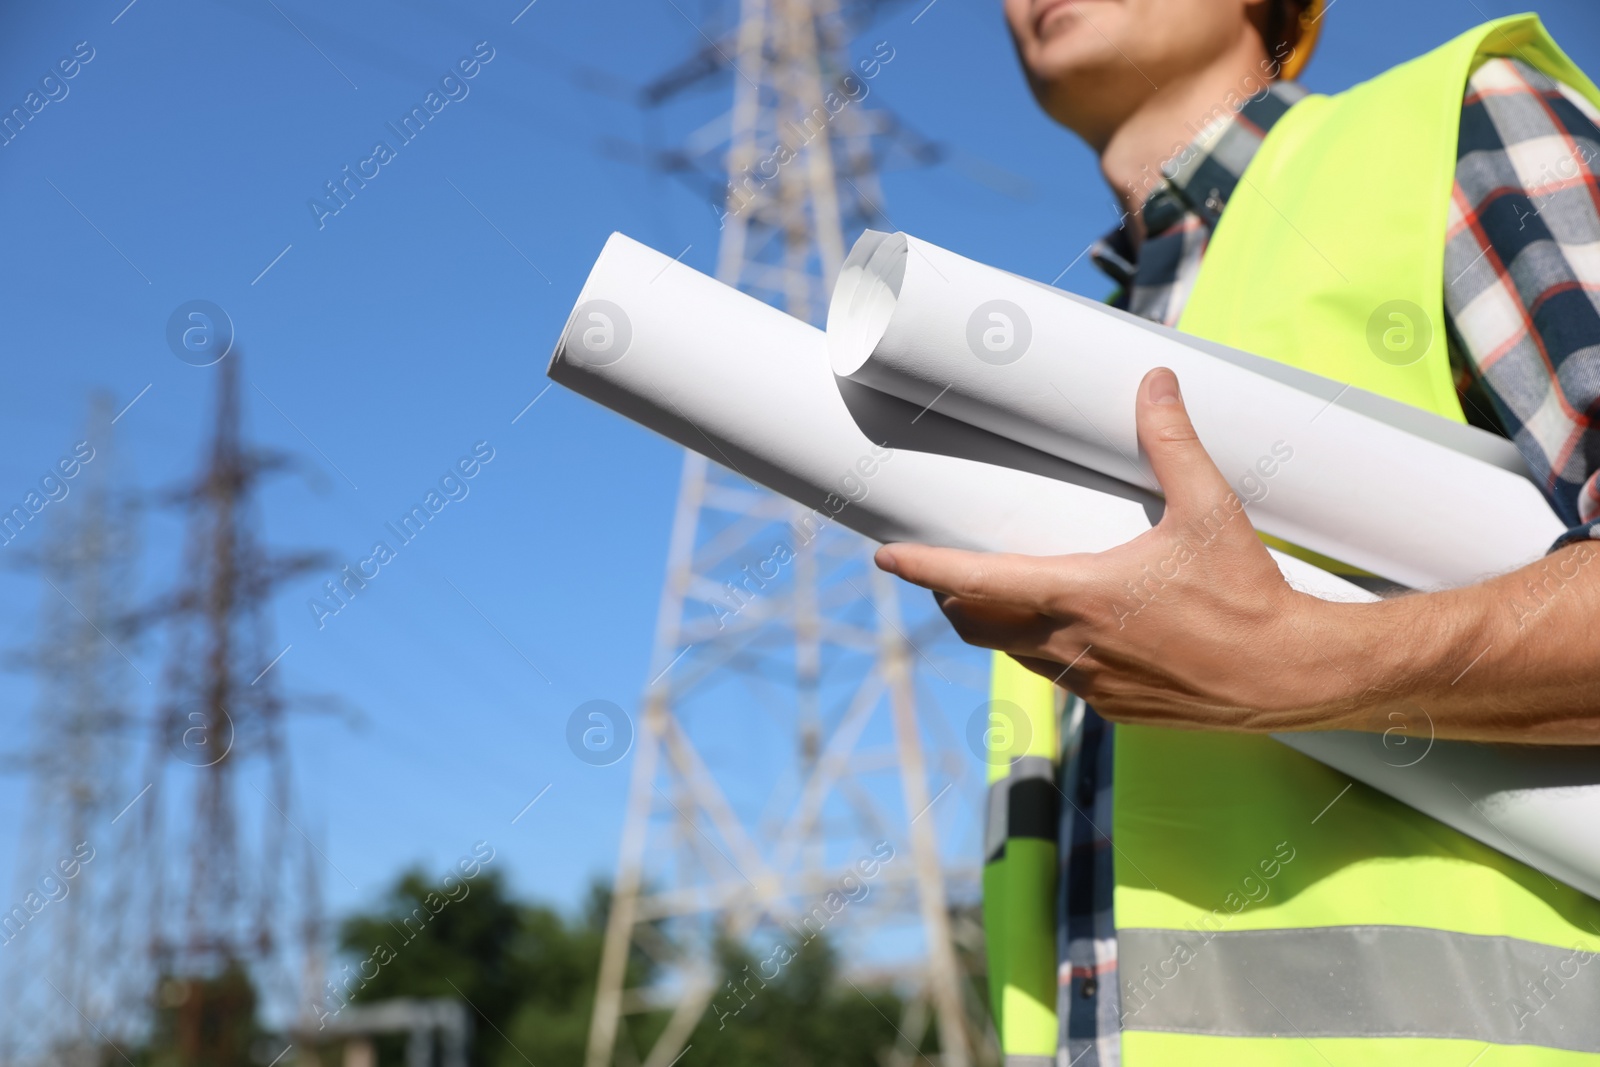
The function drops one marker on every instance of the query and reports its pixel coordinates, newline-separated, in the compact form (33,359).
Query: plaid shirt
(1522,303)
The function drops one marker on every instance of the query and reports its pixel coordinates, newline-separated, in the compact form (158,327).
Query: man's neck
(1172,117)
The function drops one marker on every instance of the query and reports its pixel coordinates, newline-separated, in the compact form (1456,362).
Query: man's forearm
(1515,658)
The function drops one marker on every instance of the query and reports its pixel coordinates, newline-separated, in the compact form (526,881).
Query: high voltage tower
(69,980)
(231,913)
(810,641)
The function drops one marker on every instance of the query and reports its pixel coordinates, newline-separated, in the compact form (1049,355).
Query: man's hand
(1191,624)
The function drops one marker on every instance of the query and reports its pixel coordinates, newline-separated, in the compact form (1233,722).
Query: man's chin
(1100,19)
(1072,59)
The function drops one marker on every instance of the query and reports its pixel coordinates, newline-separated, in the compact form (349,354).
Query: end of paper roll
(618,246)
(864,299)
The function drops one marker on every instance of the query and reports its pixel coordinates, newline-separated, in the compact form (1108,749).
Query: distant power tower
(67,942)
(809,644)
(229,909)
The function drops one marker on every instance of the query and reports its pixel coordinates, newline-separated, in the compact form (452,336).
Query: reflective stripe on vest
(1361,981)
(1020,861)
(1022,804)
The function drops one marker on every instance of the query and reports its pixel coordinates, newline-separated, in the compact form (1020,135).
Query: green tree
(423,943)
(552,1025)
(530,972)
(792,1008)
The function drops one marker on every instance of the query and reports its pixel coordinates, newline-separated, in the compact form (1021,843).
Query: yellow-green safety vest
(1385,937)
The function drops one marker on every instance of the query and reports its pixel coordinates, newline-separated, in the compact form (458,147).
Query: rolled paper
(749,387)
(1385,487)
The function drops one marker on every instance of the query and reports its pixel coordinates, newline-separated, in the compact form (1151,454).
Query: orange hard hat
(1310,27)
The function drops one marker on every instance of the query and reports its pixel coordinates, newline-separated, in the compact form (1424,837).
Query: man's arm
(1220,640)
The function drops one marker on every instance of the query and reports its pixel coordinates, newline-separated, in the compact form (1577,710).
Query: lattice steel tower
(814,643)
(225,901)
(72,974)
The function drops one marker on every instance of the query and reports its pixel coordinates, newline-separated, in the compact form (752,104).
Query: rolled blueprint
(745,385)
(1386,487)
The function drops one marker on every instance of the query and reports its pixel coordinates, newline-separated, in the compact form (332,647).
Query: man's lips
(1051,9)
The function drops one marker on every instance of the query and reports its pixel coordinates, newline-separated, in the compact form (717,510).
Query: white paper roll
(743,384)
(1402,493)
(746,385)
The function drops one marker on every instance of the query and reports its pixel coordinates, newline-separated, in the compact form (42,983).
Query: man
(1223,899)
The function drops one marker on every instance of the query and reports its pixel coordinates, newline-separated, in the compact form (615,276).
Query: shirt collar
(1201,178)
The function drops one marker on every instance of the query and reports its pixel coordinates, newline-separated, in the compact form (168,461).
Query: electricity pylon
(813,635)
(70,976)
(223,898)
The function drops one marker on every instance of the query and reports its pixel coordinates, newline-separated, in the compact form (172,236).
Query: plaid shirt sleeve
(1522,278)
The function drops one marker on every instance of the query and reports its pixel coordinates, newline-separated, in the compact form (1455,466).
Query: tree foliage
(529,974)
(805,1014)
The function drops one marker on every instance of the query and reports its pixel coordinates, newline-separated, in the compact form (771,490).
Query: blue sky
(381,343)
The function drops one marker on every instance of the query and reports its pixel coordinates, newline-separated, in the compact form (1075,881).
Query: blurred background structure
(814,632)
(341,807)
(226,904)
(75,760)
